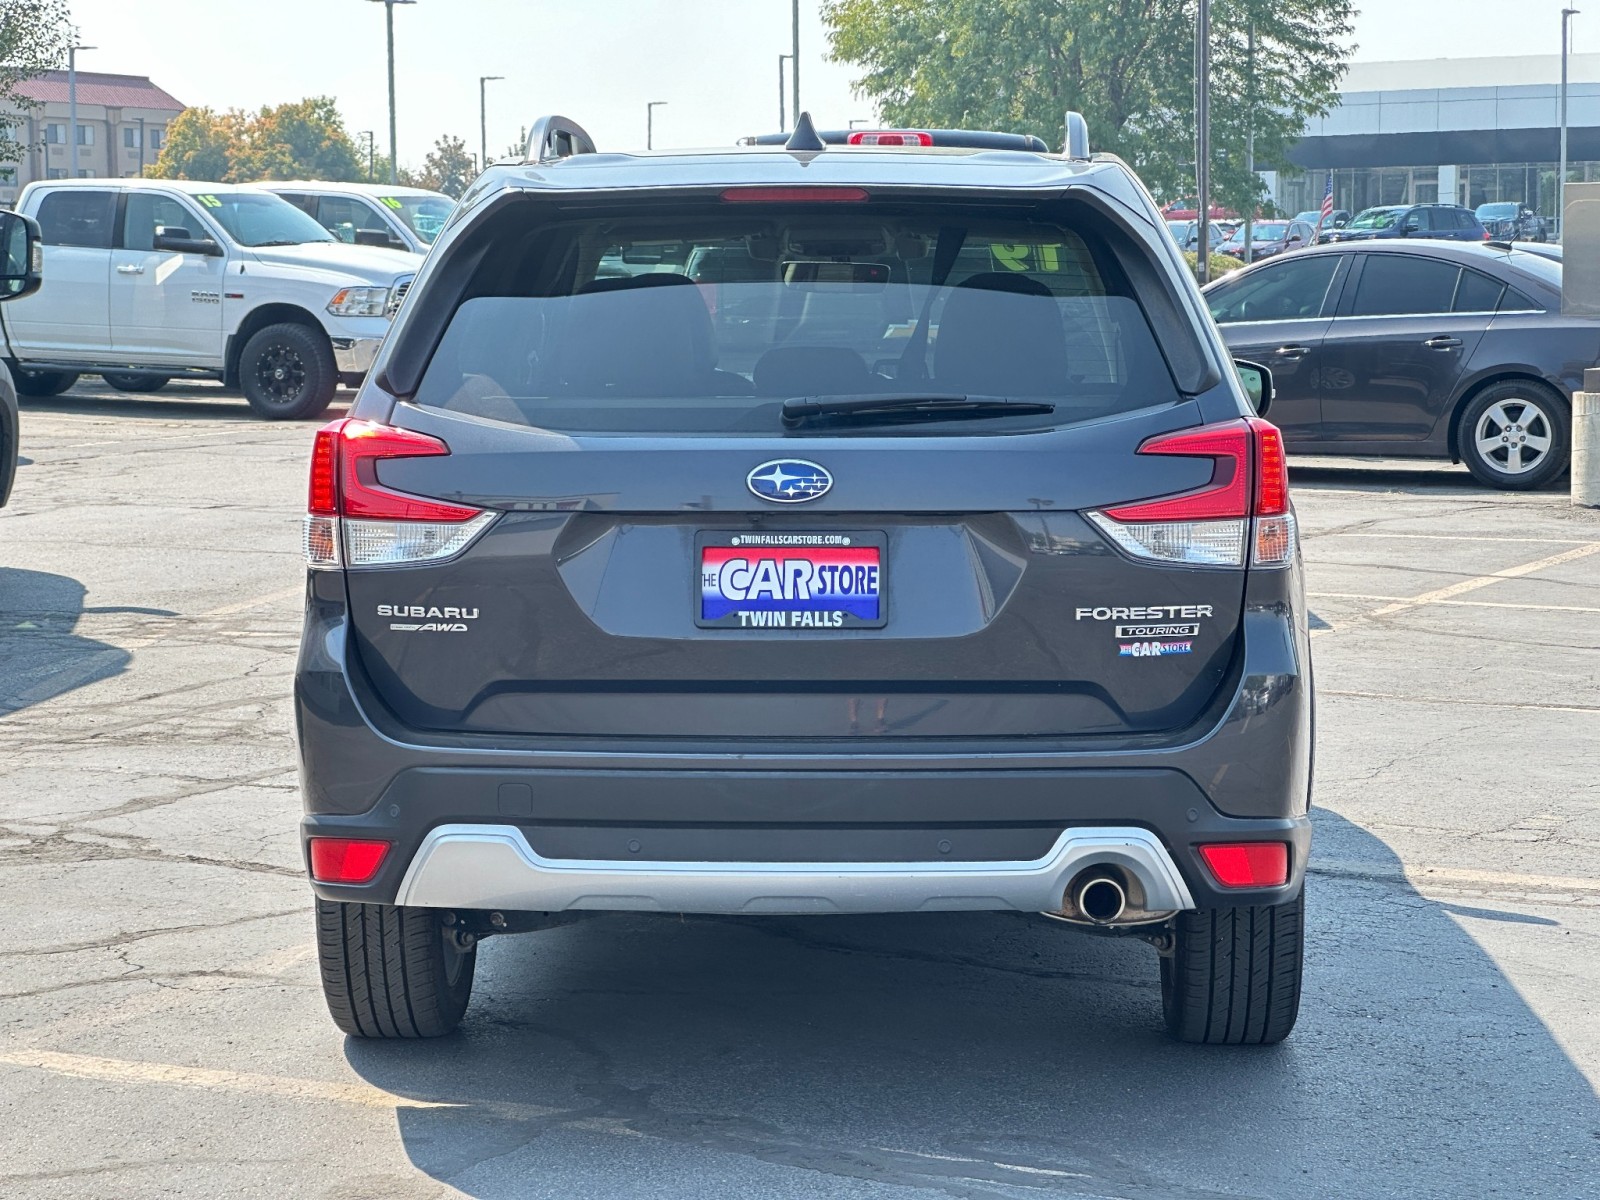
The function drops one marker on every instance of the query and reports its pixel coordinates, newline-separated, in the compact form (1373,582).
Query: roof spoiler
(551,138)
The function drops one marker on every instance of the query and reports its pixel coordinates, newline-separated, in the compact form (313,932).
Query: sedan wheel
(1514,436)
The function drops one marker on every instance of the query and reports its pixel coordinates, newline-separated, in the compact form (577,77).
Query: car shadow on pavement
(979,1055)
(205,401)
(40,655)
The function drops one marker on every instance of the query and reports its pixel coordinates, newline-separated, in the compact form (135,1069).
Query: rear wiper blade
(799,409)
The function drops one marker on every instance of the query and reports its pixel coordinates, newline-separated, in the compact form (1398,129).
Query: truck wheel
(391,972)
(1232,977)
(1514,436)
(288,372)
(42,383)
(135,383)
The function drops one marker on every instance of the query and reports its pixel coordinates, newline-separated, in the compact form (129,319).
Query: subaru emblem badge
(789,481)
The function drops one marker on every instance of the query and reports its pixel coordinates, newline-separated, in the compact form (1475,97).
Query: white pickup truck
(151,279)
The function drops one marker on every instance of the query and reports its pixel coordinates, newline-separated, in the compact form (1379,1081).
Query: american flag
(1327,203)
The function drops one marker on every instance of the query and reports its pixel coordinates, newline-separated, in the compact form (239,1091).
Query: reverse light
(346,860)
(359,302)
(890,137)
(353,520)
(1247,864)
(1244,506)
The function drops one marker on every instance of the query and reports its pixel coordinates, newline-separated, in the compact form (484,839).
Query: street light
(859,121)
(1561,180)
(650,123)
(372,150)
(783,117)
(1202,137)
(794,65)
(72,105)
(394,151)
(483,116)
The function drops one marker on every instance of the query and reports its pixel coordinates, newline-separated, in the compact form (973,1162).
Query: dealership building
(1464,130)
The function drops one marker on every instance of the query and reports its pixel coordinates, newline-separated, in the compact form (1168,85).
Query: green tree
(302,140)
(449,167)
(1127,65)
(201,143)
(34,36)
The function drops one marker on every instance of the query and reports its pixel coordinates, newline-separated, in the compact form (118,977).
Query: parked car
(602,616)
(155,278)
(1448,221)
(1187,234)
(371,214)
(1269,238)
(1508,221)
(1337,219)
(1416,349)
(23,262)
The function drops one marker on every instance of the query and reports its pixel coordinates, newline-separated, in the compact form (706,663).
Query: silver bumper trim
(353,356)
(492,866)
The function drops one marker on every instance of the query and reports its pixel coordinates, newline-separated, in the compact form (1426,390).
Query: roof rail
(1077,143)
(551,138)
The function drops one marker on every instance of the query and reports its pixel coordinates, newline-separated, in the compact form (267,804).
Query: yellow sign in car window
(209,201)
(1038,259)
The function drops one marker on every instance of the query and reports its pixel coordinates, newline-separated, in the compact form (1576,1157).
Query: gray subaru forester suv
(841,523)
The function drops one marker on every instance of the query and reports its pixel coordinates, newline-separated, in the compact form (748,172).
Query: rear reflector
(354,520)
(1247,494)
(1248,864)
(795,195)
(346,860)
(890,137)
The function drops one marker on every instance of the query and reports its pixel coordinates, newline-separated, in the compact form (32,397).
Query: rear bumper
(870,826)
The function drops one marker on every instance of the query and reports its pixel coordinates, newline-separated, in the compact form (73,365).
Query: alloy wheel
(1514,435)
(281,373)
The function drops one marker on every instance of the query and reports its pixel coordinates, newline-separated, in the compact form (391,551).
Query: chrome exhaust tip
(1100,897)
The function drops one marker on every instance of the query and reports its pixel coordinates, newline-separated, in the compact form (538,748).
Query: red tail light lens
(1228,493)
(346,860)
(795,195)
(354,520)
(890,137)
(1272,469)
(1248,864)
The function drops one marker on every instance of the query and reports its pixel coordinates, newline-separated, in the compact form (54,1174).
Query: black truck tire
(391,972)
(135,383)
(288,372)
(42,383)
(1232,975)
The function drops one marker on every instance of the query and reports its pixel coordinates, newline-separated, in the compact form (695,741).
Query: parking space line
(1572,608)
(1483,581)
(122,1070)
(1591,709)
(1455,877)
(1454,537)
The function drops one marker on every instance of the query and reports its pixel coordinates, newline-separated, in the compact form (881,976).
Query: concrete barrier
(1586,441)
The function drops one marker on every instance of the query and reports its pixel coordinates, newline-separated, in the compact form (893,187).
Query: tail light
(352,520)
(1245,505)
(346,860)
(804,194)
(1247,864)
(889,137)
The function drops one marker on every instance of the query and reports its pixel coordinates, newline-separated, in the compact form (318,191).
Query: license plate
(809,581)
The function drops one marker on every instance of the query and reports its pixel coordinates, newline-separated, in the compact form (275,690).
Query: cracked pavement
(162,1032)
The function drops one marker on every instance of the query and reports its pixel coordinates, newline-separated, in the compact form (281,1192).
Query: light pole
(794,64)
(1561,179)
(483,116)
(372,150)
(72,105)
(394,150)
(855,121)
(650,123)
(783,117)
(1202,137)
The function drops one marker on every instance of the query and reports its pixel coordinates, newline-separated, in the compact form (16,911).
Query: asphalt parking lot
(162,1032)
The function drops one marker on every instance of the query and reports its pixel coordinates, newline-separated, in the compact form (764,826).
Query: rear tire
(288,372)
(391,972)
(1233,975)
(135,383)
(42,383)
(1515,435)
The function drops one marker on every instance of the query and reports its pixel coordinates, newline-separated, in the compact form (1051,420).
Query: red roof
(95,87)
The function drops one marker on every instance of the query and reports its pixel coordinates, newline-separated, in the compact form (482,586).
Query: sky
(599,62)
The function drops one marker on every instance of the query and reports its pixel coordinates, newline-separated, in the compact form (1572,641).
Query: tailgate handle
(1443,342)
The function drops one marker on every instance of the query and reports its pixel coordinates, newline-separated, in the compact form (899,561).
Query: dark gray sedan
(1421,349)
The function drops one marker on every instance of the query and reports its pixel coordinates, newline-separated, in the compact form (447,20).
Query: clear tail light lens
(1242,514)
(353,520)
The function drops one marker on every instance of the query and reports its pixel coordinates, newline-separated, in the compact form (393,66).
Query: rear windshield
(1377,218)
(706,324)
